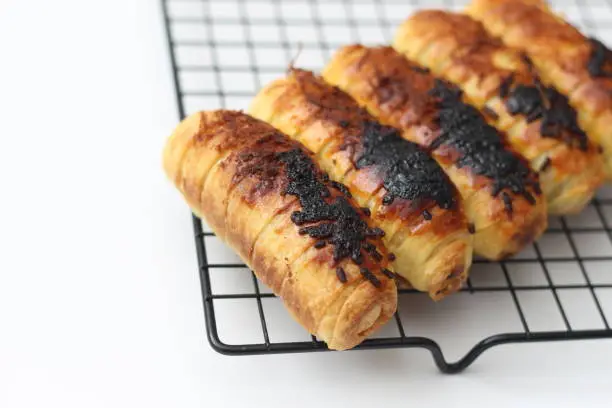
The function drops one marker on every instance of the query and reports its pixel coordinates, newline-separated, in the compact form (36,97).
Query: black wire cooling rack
(223,51)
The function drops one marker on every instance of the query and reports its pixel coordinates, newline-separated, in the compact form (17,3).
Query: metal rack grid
(222,52)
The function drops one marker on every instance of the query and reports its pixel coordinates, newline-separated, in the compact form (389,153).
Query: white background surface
(100,304)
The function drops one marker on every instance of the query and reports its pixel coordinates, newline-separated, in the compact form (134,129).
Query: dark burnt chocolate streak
(480,145)
(336,222)
(536,101)
(410,173)
(600,56)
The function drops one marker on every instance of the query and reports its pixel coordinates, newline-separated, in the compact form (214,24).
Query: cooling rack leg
(509,338)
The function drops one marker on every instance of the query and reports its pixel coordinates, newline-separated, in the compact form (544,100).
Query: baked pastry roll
(579,66)
(303,237)
(537,120)
(407,193)
(501,195)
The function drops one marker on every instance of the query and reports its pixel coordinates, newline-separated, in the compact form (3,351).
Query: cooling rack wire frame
(223,51)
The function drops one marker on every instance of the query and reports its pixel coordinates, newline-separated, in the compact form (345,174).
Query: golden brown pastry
(537,121)
(407,193)
(578,66)
(501,195)
(262,194)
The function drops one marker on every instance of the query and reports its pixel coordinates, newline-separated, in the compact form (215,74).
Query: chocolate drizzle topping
(341,188)
(410,173)
(341,274)
(370,276)
(600,56)
(388,273)
(336,223)
(420,69)
(536,102)
(481,146)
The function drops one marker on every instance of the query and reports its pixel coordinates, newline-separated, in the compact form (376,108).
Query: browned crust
(560,53)
(551,42)
(209,158)
(396,91)
(461,50)
(392,89)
